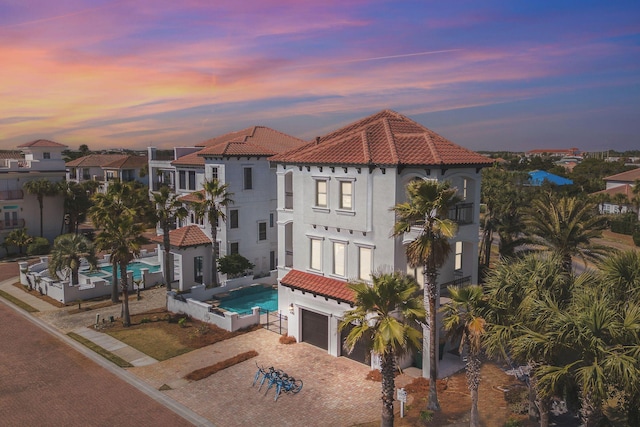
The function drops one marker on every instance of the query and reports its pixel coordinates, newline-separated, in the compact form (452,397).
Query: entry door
(315,329)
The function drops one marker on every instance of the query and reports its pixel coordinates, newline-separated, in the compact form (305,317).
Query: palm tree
(76,202)
(212,205)
(382,317)
(125,239)
(621,200)
(40,187)
(67,253)
(19,238)
(427,211)
(168,209)
(567,226)
(464,321)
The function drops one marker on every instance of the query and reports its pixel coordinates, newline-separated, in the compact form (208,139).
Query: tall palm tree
(426,212)
(76,202)
(383,317)
(125,240)
(464,321)
(168,209)
(212,206)
(67,253)
(567,226)
(40,188)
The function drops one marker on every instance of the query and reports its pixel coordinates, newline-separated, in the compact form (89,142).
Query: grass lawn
(19,303)
(158,334)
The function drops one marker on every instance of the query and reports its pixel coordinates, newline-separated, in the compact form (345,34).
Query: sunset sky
(491,75)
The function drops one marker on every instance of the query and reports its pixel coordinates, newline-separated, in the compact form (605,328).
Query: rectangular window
(339,253)
(271,220)
(316,254)
(46,155)
(248,178)
(234,248)
(233,218)
(214,173)
(85,174)
(182,180)
(346,194)
(272,260)
(321,193)
(458,261)
(192,180)
(364,270)
(262,231)
(197,269)
(464,188)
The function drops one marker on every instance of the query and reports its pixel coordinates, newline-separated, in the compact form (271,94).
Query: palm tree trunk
(214,261)
(544,406)
(114,281)
(430,297)
(126,318)
(473,381)
(74,276)
(387,365)
(166,243)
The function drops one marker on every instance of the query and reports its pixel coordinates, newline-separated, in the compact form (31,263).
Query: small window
(262,231)
(272,260)
(197,269)
(248,178)
(271,220)
(233,218)
(346,195)
(234,248)
(182,180)
(364,270)
(46,155)
(321,193)
(86,175)
(214,173)
(458,260)
(464,188)
(316,254)
(339,253)
(192,180)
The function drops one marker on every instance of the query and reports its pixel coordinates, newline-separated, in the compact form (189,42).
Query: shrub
(286,339)
(39,246)
(426,415)
(182,322)
(234,265)
(512,422)
(636,236)
(517,399)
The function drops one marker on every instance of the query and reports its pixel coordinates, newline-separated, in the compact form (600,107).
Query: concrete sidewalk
(35,302)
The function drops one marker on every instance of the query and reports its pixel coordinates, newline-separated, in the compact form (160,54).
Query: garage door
(315,329)
(359,353)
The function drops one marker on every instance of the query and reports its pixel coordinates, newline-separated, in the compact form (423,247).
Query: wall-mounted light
(291,309)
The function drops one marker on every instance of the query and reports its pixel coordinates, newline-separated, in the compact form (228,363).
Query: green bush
(636,236)
(512,422)
(517,399)
(234,265)
(39,246)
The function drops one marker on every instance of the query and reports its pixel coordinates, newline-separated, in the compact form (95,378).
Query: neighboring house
(335,220)
(37,159)
(108,167)
(239,159)
(616,185)
(538,177)
(545,152)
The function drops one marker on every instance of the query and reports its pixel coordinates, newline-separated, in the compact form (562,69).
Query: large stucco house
(619,192)
(239,159)
(334,218)
(106,168)
(34,160)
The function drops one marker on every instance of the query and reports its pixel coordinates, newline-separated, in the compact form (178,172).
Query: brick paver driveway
(43,382)
(335,391)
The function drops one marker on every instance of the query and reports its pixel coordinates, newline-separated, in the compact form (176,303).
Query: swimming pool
(265,298)
(105,271)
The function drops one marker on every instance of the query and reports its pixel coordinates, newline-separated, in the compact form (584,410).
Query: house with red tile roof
(617,197)
(35,160)
(335,196)
(105,168)
(239,159)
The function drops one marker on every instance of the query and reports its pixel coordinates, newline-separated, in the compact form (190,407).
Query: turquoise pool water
(266,299)
(105,271)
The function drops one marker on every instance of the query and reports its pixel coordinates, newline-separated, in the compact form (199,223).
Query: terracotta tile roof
(191,197)
(629,176)
(127,162)
(625,189)
(96,160)
(254,141)
(318,285)
(41,143)
(184,237)
(11,155)
(383,139)
(192,159)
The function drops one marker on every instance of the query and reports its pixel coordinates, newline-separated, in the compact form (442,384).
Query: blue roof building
(537,177)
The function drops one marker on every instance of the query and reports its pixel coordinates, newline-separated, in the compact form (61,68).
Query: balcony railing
(462,213)
(157,185)
(11,195)
(460,282)
(12,224)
